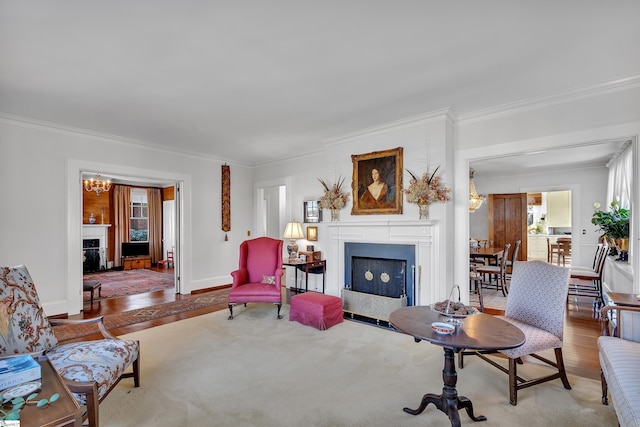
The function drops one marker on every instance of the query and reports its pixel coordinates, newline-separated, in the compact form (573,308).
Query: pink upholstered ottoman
(315,309)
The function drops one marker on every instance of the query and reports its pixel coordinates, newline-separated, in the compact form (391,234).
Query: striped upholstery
(619,363)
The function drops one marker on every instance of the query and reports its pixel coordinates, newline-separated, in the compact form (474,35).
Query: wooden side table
(63,412)
(313,267)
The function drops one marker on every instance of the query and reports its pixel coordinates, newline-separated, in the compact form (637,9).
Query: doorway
(74,195)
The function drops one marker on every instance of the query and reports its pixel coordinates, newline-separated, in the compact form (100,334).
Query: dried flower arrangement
(427,189)
(334,197)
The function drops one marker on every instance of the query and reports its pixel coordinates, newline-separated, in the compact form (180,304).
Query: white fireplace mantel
(98,231)
(424,235)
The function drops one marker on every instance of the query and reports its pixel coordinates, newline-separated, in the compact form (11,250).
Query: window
(139,216)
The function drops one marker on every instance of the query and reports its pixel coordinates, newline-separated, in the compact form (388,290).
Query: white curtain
(620,174)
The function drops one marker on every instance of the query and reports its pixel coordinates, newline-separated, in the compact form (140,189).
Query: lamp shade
(293,231)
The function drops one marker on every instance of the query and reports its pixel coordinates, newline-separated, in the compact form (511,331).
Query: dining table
(476,332)
(489,255)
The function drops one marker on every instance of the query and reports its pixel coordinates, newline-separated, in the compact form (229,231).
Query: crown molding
(41,124)
(516,107)
(394,125)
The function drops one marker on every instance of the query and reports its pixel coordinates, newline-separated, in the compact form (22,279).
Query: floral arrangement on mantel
(333,198)
(426,190)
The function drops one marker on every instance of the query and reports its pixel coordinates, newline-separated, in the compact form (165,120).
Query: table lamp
(293,231)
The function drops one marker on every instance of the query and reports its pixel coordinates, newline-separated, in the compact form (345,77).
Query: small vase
(335,214)
(423,209)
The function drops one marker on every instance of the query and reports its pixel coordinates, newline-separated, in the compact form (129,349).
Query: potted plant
(614,225)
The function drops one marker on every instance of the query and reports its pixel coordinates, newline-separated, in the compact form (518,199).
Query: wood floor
(582,325)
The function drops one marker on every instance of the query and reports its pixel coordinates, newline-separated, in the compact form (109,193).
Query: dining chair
(564,250)
(475,284)
(587,281)
(552,249)
(497,271)
(537,306)
(514,258)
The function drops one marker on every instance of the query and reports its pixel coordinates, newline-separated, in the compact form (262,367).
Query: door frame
(183,258)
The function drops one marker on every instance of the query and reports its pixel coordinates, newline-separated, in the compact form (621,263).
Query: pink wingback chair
(259,274)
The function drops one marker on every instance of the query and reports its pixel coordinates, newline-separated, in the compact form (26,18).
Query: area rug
(128,282)
(256,370)
(118,320)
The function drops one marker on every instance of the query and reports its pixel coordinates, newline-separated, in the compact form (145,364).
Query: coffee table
(478,332)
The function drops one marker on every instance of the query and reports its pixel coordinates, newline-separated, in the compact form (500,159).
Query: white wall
(427,143)
(40,216)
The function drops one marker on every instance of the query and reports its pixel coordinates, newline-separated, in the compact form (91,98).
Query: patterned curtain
(121,205)
(154,201)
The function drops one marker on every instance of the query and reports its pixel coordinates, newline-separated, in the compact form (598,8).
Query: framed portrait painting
(377,183)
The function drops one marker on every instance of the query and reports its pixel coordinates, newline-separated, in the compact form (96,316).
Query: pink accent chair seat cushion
(318,310)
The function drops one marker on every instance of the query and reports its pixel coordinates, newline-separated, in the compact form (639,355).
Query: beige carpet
(259,371)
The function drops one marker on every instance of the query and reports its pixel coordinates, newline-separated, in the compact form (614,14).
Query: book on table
(18,369)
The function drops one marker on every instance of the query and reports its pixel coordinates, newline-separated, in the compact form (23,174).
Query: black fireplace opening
(91,249)
(383,277)
(385,269)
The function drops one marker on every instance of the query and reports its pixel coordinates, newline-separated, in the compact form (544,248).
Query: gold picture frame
(377,183)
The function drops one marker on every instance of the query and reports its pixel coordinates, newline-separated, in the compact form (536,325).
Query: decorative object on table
(226,200)
(614,225)
(15,398)
(443,328)
(92,219)
(311,211)
(475,200)
(312,255)
(310,247)
(455,311)
(97,185)
(17,370)
(377,182)
(333,198)
(426,190)
(292,232)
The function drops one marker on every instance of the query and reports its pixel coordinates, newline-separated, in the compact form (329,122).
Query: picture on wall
(377,183)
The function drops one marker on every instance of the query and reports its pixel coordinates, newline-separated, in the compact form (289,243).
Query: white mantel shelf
(424,235)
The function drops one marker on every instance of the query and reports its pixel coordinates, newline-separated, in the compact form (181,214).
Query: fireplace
(378,278)
(91,251)
(426,282)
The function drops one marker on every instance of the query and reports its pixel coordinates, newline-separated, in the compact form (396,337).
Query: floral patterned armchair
(90,369)
(259,274)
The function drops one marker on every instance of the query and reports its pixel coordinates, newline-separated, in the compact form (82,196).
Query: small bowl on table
(443,328)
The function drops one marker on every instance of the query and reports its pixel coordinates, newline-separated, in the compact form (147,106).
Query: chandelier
(97,185)
(475,200)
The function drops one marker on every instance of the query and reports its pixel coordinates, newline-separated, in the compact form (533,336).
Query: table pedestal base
(448,402)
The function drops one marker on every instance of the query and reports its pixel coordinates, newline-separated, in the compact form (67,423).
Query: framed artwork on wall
(377,183)
(311,211)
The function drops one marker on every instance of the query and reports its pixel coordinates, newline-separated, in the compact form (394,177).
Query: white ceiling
(252,80)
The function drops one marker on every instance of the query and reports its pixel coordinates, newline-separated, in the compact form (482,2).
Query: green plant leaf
(42,402)
(54,397)
(32,396)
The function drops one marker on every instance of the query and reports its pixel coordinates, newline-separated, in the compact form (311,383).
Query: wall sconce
(312,233)
(293,231)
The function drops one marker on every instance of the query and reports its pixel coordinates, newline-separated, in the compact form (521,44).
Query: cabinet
(133,262)
(559,209)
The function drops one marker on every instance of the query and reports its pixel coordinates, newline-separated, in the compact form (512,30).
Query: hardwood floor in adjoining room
(582,324)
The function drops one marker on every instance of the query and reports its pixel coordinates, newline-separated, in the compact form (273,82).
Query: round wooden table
(478,332)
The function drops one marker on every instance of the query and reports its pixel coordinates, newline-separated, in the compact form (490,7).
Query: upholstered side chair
(90,369)
(259,274)
(536,305)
